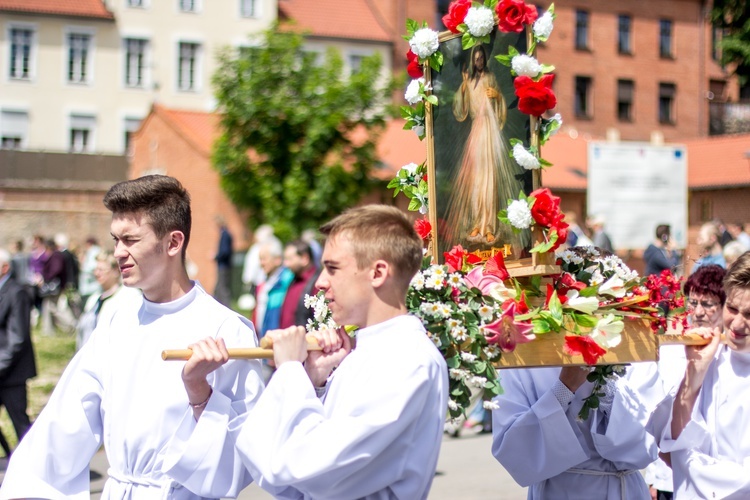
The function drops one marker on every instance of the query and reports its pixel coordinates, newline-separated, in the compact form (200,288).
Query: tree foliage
(733,16)
(298,136)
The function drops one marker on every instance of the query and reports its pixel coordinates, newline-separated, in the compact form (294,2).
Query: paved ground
(466,471)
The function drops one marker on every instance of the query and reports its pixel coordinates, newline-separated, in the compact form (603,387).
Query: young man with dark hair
(118,392)
(371,429)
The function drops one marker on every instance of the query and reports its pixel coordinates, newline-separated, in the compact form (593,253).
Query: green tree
(298,136)
(733,16)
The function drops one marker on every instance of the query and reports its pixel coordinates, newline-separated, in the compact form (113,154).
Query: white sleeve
(290,439)
(201,455)
(52,460)
(532,439)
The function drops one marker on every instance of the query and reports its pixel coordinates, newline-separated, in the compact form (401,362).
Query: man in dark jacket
(16,352)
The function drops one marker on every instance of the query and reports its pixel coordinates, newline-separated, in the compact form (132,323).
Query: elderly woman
(702,427)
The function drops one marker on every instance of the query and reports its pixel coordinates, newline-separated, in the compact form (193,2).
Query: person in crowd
(55,311)
(709,247)
(722,231)
(662,254)
(223,258)
(310,236)
(70,299)
(701,426)
(600,237)
(17,363)
(732,252)
(704,302)
(299,260)
(252,272)
(577,237)
(88,285)
(271,293)
(37,258)
(119,393)
(102,306)
(372,428)
(737,230)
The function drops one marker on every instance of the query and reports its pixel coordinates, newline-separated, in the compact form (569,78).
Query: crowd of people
(363,416)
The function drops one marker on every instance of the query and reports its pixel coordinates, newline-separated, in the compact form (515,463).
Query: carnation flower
(525,65)
(424,43)
(480,21)
(411,168)
(412,94)
(543,26)
(524,158)
(519,214)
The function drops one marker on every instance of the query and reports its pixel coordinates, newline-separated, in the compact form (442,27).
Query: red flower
(568,282)
(513,14)
(423,228)
(560,296)
(534,98)
(546,208)
(413,68)
(583,346)
(506,332)
(455,258)
(521,306)
(562,233)
(456,14)
(473,259)
(496,267)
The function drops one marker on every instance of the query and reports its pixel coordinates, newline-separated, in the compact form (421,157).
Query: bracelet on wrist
(202,404)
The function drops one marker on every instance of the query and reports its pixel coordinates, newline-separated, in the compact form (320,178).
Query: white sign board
(637,186)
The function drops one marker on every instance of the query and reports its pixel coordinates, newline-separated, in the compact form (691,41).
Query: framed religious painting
(472,174)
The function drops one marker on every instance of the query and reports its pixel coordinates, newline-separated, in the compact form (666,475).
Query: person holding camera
(662,253)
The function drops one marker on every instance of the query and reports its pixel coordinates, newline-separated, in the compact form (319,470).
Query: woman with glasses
(702,426)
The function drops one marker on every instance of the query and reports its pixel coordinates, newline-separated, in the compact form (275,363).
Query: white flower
(608,332)
(478,381)
(468,357)
(436,340)
(453,323)
(519,214)
(480,21)
(557,118)
(492,351)
(485,313)
(434,282)
(459,333)
(424,43)
(596,278)
(417,282)
(500,293)
(543,26)
(458,373)
(310,300)
(438,271)
(430,309)
(613,287)
(490,405)
(583,304)
(418,129)
(525,158)
(455,279)
(411,169)
(412,94)
(452,405)
(525,65)
(569,257)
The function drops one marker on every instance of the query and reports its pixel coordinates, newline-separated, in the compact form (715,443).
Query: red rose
(456,14)
(423,228)
(583,346)
(455,258)
(514,14)
(534,98)
(546,208)
(413,68)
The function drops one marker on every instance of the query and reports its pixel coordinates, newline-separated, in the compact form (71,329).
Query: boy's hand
(336,345)
(208,355)
(289,344)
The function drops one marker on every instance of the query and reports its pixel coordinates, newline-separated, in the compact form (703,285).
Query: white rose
(524,158)
(525,65)
(519,214)
(411,168)
(543,26)
(412,91)
(424,43)
(480,21)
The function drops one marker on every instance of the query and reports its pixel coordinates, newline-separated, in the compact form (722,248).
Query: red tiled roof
(199,128)
(77,8)
(353,19)
(720,161)
(569,158)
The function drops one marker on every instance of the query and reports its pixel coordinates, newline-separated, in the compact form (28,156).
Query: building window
(188,5)
(623,34)
(717,90)
(667,93)
(131,126)
(136,3)
(249,8)
(665,38)
(79,48)
(14,129)
(20,53)
(582,30)
(582,98)
(625,91)
(82,133)
(355,63)
(135,62)
(717,34)
(187,66)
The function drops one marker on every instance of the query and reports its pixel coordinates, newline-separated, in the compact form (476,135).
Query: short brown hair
(159,197)
(738,275)
(380,232)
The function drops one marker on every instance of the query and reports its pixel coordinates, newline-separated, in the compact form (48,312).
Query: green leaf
(432,99)
(584,320)
(547,68)
(589,291)
(503,59)
(467,41)
(540,326)
(512,51)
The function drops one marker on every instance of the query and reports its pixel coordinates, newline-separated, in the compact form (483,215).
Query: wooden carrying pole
(639,343)
(265,351)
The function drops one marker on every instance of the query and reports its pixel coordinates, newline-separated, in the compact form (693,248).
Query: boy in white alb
(118,392)
(371,429)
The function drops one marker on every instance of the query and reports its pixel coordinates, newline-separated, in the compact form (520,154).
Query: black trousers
(14,399)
